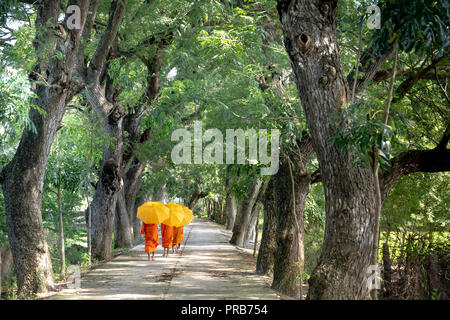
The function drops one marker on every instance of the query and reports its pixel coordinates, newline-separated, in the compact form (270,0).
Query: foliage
(225,65)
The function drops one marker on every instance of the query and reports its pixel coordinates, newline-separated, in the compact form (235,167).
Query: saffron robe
(151,236)
(167,235)
(177,235)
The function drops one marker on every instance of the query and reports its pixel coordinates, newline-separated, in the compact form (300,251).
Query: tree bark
(106,105)
(131,185)
(197,195)
(309,28)
(410,161)
(230,206)
(387,270)
(125,231)
(104,203)
(1,252)
(251,226)
(123,235)
(255,246)
(243,217)
(162,194)
(22,179)
(230,210)
(434,281)
(62,249)
(289,253)
(265,260)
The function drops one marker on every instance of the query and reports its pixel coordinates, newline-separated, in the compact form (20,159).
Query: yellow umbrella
(153,212)
(176,216)
(188,215)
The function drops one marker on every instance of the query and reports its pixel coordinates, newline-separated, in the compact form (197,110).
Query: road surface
(208,267)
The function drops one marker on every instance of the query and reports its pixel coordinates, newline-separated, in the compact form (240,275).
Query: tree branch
(413,78)
(96,65)
(410,161)
(442,145)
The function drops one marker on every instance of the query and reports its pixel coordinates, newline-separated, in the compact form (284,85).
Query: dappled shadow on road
(208,267)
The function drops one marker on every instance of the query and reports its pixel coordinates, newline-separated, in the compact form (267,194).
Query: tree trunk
(289,254)
(309,28)
(197,195)
(1,251)
(123,235)
(266,252)
(88,218)
(103,207)
(387,270)
(436,287)
(251,225)
(62,250)
(255,246)
(162,194)
(137,222)
(230,211)
(104,100)
(243,217)
(104,203)
(22,179)
(131,185)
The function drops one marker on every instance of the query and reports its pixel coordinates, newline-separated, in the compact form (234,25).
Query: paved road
(208,267)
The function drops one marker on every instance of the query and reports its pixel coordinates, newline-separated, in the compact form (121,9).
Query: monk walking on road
(177,238)
(167,235)
(151,238)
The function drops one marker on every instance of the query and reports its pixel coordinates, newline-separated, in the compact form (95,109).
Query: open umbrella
(176,216)
(188,215)
(153,212)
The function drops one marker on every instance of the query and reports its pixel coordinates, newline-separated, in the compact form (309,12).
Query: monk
(177,238)
(167,235)
(151,238)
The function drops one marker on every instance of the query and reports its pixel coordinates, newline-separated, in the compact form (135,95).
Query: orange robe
(177,235)
(151,236)
(167,235)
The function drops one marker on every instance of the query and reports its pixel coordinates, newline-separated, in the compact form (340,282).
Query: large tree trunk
(243,217)
(22,179)
(387,270)
(104,101)
(287,250)
(292,185)
(127,203)
(266,252)
(104,203)
(289,254)
(309,28)
(103,207)
(132,178)
(123,232)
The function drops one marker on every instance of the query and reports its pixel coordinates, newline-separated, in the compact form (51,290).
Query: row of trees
(103,100)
